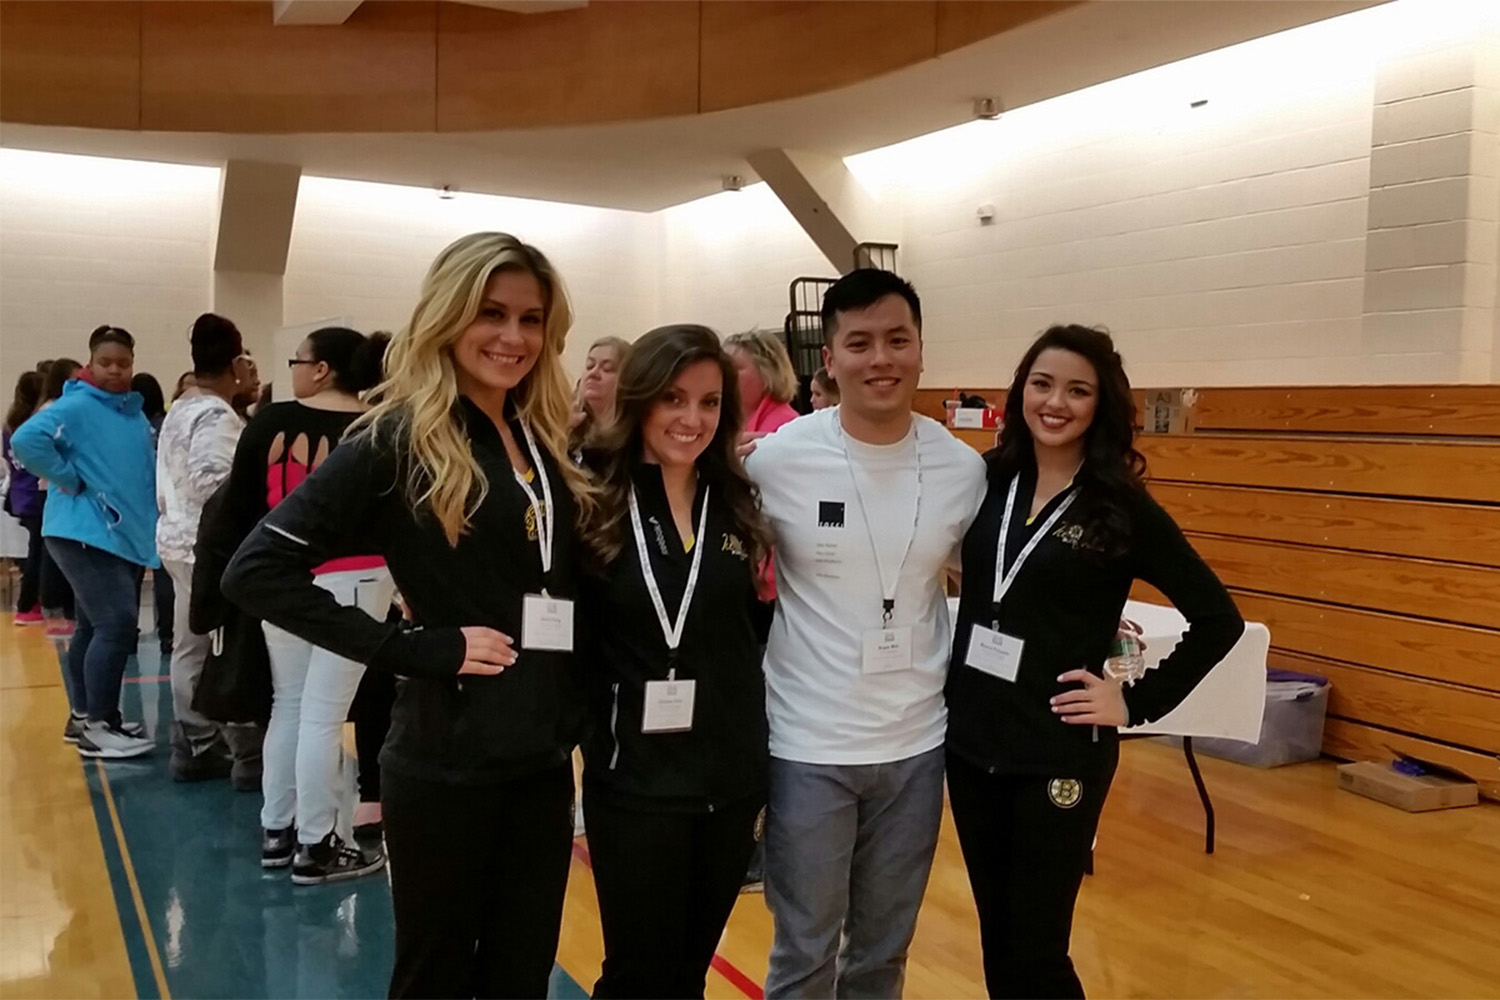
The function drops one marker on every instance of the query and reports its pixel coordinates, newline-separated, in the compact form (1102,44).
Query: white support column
(826,200)
(257,202)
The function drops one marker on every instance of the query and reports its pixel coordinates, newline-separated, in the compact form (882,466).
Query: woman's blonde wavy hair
(418,399)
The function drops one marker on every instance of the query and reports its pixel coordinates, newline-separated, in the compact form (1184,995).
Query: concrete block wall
(85,241)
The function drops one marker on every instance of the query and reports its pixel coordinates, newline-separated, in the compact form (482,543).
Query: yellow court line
(135,887)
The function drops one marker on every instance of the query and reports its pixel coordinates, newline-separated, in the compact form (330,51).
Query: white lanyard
(545,515)
(887,590)
(671,631)
(1003,580)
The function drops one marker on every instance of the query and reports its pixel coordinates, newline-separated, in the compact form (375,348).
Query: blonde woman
(461,480)
(596,390)
(767,380)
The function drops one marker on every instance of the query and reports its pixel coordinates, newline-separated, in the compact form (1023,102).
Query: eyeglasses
(294,362)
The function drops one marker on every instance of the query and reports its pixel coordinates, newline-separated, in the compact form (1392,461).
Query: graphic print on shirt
(828,556)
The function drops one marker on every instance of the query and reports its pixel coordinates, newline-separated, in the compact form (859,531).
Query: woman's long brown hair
(654,363)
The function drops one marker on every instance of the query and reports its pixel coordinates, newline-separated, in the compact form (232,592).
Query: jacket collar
(128,403)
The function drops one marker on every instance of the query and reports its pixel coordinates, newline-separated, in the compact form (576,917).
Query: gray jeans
(189,653)
(848,852)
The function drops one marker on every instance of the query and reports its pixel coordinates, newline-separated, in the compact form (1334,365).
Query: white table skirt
(1229,702)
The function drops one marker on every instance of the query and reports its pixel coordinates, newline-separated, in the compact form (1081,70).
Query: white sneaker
(99,739)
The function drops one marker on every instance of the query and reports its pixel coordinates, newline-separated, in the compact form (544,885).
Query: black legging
(371,715)
(31,569)
(1026,840)
(53,588)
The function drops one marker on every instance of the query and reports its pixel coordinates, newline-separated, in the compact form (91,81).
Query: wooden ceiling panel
(768,50)
(962,22)
(74,64)
(603,62)
(225,66)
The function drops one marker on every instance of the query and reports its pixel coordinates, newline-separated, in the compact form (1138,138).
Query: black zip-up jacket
(724,757)
(1065,605)
(444,728)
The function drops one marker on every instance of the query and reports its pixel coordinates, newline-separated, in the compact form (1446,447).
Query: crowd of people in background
(738,612)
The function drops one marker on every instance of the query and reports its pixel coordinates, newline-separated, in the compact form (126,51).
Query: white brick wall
(726,261)
(361,250)
(85,241)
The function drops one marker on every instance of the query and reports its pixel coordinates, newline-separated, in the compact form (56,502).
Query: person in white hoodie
(194,457)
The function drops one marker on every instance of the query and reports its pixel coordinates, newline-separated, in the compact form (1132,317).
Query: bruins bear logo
(1065,793)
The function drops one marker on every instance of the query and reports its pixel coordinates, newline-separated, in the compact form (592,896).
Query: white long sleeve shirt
(194,454)
(823,709)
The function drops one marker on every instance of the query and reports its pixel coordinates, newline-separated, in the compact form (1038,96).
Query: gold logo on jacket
(734,546)
(531,520)
(1065,793)
(1070,535)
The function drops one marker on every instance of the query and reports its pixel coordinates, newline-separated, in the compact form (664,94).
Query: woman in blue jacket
(94,447)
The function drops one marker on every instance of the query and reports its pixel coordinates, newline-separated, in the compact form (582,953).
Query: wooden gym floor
(115,882)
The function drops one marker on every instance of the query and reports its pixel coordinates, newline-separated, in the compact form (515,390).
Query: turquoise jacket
(95,449)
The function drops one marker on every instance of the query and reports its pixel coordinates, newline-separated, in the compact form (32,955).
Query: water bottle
(1126,661)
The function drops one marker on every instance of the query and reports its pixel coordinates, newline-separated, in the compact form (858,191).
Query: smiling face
(1062,393)
(601,375)
(875,356)
(112,366)
(684,419)
(496,352)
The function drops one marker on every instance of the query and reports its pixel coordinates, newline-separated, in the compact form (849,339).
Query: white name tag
(669,706)
(887,650)
(547,624)
(995,653)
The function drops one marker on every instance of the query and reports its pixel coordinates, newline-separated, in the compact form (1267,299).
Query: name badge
(887,650)
(995,653)
(547,624)
(669,706)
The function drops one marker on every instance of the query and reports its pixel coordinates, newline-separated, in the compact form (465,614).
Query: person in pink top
(312,688)
(767,380)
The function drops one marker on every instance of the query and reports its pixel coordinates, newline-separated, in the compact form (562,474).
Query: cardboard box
(974,418)
(1169,411)
(1404,791)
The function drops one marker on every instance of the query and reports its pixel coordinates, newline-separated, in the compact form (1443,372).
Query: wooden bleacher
(1362,525)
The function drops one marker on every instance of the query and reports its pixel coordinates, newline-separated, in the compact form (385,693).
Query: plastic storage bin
(1291,730)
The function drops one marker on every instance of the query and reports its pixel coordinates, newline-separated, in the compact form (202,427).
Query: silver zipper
(614,717)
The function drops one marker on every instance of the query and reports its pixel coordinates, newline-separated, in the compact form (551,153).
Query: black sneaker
(332,860)
(73,728)
(277,847)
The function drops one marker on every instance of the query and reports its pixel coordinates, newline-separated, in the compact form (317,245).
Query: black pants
(54,591)
(667,883)
(31,569)
(478,876)
(1026,840)
(371,715)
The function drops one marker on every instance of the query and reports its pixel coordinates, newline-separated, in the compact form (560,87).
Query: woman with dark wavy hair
(1065,530)
(675,772)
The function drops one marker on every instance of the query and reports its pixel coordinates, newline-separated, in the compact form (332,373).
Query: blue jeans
(848,852)
(105,637)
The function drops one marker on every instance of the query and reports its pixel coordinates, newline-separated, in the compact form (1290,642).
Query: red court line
(157,679)
(720,964)
(741,982)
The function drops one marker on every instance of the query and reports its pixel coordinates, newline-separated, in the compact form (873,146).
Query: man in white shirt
(869,504)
